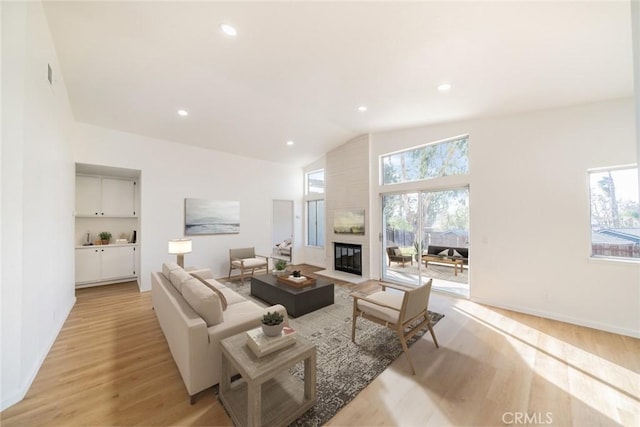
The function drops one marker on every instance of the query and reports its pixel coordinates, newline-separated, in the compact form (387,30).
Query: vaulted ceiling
(298,71)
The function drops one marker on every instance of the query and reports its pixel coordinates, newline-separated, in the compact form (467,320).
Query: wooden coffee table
(297,301)
(455,261)
(267,394)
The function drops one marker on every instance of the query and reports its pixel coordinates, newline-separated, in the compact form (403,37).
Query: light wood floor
(111,366)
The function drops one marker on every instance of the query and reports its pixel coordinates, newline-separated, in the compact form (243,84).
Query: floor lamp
(180,247)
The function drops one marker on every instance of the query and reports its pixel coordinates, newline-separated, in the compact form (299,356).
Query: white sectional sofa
(193,319)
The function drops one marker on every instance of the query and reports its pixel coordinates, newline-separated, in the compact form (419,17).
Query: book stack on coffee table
(262,345)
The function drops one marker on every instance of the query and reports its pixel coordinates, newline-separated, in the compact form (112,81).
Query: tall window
(315,223)
(314,186)
(429,161)
(615,213)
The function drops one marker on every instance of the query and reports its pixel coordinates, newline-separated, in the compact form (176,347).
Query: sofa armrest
(238,324)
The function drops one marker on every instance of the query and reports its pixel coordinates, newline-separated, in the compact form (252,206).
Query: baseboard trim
(562,318)
(19,394)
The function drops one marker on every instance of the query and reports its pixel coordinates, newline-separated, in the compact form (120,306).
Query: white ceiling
(298,70)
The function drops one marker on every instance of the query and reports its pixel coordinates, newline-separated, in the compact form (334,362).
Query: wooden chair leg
(353,321)
(229,276)
(433,334)
(405,348)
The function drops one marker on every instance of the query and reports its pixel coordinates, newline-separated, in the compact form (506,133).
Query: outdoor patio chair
(245,259)
(405,312)
(395,254)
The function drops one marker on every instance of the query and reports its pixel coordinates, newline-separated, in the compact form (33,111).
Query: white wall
(172,172)
(529,203)
(37,287)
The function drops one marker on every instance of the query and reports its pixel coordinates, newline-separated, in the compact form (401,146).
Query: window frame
(318,226)
(591,255)
(307,182)
(382,157)
(309,198)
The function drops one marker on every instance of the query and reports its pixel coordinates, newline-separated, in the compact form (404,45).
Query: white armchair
(405,312)
(245,259)
(284,247)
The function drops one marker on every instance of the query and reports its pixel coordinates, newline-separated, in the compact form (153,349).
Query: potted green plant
(105,236)
(418,248)
(280,267)
(272,324)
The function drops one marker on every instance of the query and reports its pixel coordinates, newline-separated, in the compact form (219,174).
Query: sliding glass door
(433,228)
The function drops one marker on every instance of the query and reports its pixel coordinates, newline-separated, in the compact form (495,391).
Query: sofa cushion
(444,252)
(456,253)
(223,299)
(203,300)
(250,262)
(167,268)
(178,277)
(232,297)
(397,252)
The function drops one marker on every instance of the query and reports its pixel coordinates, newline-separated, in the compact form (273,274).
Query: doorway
(282,226)
(425,231)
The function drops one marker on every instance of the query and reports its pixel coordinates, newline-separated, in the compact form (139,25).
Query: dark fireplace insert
(348,258)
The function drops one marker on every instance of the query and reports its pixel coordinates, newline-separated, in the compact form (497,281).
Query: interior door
(282,229)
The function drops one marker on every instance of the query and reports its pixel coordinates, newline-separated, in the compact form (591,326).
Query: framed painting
(204,216)
(348,221)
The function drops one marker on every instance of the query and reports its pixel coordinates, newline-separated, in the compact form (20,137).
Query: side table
(267,394)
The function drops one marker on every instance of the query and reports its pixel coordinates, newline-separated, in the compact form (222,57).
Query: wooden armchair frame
(246,259)
(409,320)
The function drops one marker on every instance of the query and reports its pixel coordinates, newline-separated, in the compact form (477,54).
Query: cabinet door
(117,262)
(88,196)
(118,197)
(87,265)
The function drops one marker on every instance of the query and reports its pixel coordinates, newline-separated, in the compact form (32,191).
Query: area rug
(343,368)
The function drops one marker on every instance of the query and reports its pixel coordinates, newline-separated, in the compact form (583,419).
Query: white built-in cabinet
(104,196)
(105,263)
(105,203)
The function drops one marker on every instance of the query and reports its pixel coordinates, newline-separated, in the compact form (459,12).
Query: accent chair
(245,259)
(404,312)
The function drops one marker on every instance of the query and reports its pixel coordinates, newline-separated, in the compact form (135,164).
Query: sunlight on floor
(442,285)
(574,370)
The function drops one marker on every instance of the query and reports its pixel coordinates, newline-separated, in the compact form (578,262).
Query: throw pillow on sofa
(203,300)
(444,253)
(223,299)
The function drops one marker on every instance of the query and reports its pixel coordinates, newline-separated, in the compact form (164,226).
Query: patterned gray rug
(344,368)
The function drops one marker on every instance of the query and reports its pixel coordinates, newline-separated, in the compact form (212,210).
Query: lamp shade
(180,246)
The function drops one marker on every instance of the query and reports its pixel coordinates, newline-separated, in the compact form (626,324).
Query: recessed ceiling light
(362,108)
(289,143)
(443,87)
(183,113)
(228,30)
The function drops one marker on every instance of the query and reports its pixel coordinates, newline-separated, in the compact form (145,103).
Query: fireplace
(348,258)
